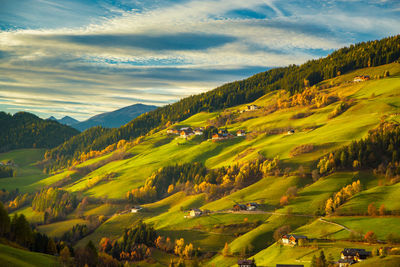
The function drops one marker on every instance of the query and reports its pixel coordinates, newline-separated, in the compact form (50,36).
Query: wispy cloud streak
(80,58)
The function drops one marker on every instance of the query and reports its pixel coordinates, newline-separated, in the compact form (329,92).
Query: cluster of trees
(322,261)
(77,232)
(291,193)
(8,195)
(19,201)
(373,211)
(382,146)
(196,178)
(293,78)
(7,171)
(339,109)
(310,96)
(226,179)
(18,230)
(54,202)
(135,244)
(25,130)
(342,196)
(158,183)
(184,251)
(88,256)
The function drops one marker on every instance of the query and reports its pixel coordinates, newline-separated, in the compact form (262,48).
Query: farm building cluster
(196,213)
(185,132)
(245,207)
(361,78)
(348,256)
(221,134)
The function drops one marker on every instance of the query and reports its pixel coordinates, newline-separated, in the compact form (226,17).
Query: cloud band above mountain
(102,55)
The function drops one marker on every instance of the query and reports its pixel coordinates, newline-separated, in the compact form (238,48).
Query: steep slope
(10,256)
(25,130)
(106,178)
(292,79)
(115,118)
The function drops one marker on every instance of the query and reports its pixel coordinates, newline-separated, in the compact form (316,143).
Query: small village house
(198,131)
(189,129)
(355,254)
(195,212)
(292,240)
(251,206)
(246,263)
(136,209)
(239,207)
(170,131)
(252,107)
(290,132)
(241,133)
(218,136)
(361,78)
(186,133)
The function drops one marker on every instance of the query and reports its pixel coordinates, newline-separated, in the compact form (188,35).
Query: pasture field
(14,257)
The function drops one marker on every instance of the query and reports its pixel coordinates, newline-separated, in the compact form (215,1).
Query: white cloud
(43,64)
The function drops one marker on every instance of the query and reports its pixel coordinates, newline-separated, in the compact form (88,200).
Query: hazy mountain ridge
(114,119)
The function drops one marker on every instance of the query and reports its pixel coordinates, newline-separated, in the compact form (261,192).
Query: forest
(380,150)
(293,79)
(25,130)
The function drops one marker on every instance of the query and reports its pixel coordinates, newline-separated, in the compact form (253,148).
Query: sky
(82,58)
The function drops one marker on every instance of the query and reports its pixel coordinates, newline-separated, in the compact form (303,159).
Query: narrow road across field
(337,224)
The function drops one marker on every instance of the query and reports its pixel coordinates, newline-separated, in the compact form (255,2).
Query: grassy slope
(373,99)
(389,196)
(11,257)
(57,229)
(27,173)
(353,124)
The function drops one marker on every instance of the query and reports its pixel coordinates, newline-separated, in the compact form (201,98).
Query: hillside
(10,256)
(114,119)
(319,129)
(292,79)
(25,130)
(322,161)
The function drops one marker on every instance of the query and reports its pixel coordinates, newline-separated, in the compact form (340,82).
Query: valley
(286,135)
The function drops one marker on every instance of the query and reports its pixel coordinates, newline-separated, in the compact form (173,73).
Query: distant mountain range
(67,120)
(113,119)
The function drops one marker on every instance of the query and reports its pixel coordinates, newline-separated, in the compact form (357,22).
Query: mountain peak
(115,118)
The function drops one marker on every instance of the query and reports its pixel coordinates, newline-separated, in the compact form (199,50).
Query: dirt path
(263,212)
(337,224)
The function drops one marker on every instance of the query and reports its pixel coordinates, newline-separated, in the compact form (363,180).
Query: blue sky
(81,58)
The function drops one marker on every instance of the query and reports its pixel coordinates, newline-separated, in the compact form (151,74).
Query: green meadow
(14,257)
(374,101)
